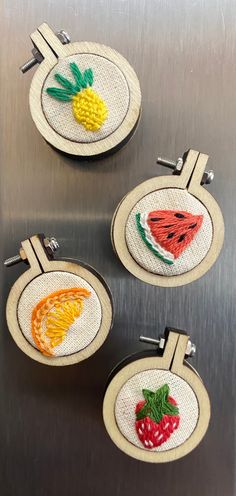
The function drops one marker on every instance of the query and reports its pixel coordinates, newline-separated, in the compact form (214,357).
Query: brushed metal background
(52,437)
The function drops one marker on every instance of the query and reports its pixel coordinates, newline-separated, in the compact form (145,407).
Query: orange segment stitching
(56,328)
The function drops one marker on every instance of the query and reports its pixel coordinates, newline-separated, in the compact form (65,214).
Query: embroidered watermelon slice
(168,232)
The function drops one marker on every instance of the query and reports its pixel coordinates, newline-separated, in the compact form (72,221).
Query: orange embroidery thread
(57,311)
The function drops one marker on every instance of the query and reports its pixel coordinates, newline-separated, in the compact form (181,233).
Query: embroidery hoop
(189,180)
(172,360)
(40,263)
(53,51)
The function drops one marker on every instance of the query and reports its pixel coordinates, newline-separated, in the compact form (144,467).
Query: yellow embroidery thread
(56,313)
(88,107)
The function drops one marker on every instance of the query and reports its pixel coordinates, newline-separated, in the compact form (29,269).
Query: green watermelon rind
(150,245)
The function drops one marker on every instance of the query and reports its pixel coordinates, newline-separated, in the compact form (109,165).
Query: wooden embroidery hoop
(172,360)
(189,179)
(35,254)
(52,51)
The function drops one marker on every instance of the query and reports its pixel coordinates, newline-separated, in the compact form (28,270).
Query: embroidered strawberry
(157,417)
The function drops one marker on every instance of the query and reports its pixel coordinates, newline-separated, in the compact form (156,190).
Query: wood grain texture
(195,164)
(125,128)
(173,360)
(52,436)
(39,263)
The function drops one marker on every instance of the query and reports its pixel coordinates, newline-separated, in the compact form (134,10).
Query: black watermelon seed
(181,238)
(170,225)
(155,219)
(180,216)
(192,226)
(170,235)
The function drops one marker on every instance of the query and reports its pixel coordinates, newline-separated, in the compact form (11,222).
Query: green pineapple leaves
(157,404)
(70,87)
(59,94)
(82,81)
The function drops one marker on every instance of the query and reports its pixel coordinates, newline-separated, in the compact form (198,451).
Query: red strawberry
(157,417)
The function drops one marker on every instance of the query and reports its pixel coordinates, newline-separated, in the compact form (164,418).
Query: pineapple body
(89,109)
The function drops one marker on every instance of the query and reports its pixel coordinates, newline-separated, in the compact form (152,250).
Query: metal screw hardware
(37,56)
(207,177)
(63,36)
(177,166)
(160,343)
(51,245)
(12,260)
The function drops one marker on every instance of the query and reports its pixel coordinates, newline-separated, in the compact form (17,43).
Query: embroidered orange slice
(53,316)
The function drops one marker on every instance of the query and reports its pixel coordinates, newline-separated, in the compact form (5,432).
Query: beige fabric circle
(169,199)
(131,393)
(110,84)
(82,332)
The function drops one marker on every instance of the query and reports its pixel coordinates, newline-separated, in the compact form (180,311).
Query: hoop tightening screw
(37,56)
(177,166)
(160,343)
(51,245)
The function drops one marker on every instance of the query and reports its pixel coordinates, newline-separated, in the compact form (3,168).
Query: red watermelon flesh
(171,231)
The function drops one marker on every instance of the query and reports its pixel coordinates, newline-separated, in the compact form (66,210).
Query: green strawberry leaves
(157,404)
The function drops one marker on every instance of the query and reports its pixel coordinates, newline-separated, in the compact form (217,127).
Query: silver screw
(64,38)
(160,343)
(177,166)
(207,177)
(12,260)
(191,349)
(51,245)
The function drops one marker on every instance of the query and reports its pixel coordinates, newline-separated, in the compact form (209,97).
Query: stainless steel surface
(62,35)
(52,438)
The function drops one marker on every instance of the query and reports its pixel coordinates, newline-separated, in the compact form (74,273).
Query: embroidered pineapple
(88,107)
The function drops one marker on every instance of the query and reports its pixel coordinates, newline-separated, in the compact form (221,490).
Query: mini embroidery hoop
(34,253)
(52,50)
(173,360)
(189,179)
